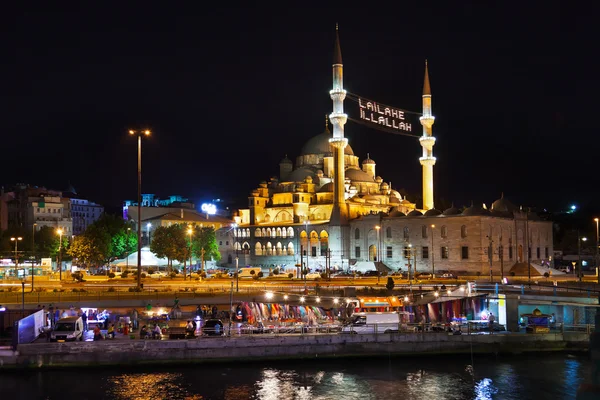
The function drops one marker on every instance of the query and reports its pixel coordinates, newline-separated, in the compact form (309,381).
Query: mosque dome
(368,161)
(299,174)
(385,186)
(414,213)
(502,205)
(451,211)
(328,187)
(357,175)
(320,145)
(286,160)
(475,210)
(395,213)
(432,213)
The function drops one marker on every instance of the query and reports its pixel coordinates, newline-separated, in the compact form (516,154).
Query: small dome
(299,174)
(327,188)
(432,213)
(308,179)
(475,210)
(320,173)
(395,213)
(285,160)
(414,213)
(368,160)
(385,186)
(503,206)
(451,211)
(356,175)
(379,179)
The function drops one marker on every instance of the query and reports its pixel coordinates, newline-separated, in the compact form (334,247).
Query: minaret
(427,141)
(338,119)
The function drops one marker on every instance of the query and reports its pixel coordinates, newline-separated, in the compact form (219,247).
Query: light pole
(16,240)
(127,253)
(579,240)
(190,232)
(432,254)
(59,255)
(139,135)
(237,274)
(409,251)
(148,226)
(377,259)
(597,249)
(33,252)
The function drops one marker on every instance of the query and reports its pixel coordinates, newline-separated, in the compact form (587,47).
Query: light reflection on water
(526,377)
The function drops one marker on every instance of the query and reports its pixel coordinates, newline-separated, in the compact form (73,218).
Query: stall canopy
(148,260)
(376,302)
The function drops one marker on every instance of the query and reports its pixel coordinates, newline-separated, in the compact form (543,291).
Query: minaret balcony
(338,118)
(427,141)
(427,161)
(340,142)
(427,120)
(337,95)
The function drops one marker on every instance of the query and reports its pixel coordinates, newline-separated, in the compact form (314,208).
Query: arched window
(463,231)
(247,231)
(290,232)
(246,247)
(357,234)
(258,249)
(284,233)
(406,233)
(237,246)
(264,232)
(388,232)
(278,232)
(444,231)
(273,232)
(243,233)
(424,231)
(278,248)
(290,249)
(268,232)
(269,249)
(257,232)
(324,238)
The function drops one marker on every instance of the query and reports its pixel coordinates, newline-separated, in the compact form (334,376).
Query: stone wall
(278,347)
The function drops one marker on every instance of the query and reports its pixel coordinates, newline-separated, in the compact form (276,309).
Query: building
(338,210)
(32,207)
(156,204)
(83,212)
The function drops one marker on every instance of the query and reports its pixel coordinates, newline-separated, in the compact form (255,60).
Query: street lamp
(579,240)
(33,253)
(127,252)
(59,255)
(597,249)
(16,240)
(377,252)
(432,254)
(139,135)
(190,232)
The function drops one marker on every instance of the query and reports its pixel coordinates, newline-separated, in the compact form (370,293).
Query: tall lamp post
(59,255)
(597,249)
(139,135)
(432,254)
(579,240)
(16,240)
(190,232)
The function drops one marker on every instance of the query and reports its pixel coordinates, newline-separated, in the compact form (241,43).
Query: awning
(373,302)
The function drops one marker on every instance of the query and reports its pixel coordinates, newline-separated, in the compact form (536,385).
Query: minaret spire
(427,142)
(338,118)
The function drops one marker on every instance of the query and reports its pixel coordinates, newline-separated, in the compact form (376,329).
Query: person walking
(134,318)
(84,318)
(491,320)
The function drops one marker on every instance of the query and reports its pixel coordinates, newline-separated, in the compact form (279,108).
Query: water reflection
(420,379)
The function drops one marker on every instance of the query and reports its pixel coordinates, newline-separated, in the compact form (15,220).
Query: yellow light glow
(146,132)
(59,231)
(377,227)
(335,301)
(269,295)
(433,225)
(318,299)
(596,219)
(436,294)
(302,299)
(131,132)
(285,297)
(405,298)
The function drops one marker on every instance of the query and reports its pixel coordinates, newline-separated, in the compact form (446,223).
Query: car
(424,275)
(371,274)
(313,275)
(157,275)
(213,327)
(398,274)
(343,275)
(448,276)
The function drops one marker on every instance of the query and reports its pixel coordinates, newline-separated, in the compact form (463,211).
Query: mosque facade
(330,208)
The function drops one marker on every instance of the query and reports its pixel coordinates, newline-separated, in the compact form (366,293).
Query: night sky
(228,92)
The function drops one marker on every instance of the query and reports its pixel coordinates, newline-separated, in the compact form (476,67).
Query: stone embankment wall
(78,354)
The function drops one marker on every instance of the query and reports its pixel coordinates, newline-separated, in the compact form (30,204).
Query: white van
(247,272)
(373,322)
(67,329)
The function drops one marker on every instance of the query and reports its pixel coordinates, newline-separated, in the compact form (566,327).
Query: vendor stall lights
(406,298)
(285,297)
(302,299)
(335,301)
(449,291)
(269,295)
(436,294)
(318,299)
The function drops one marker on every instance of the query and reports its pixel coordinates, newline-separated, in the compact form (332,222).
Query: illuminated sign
(209,208)
(380,114)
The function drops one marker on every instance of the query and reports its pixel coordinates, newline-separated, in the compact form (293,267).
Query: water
(431,378)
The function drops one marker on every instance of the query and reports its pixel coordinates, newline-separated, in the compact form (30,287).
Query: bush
(172,274)
(512,273)
(110,289)
(546,275)
(197,279)
(176,271)
(135,289)
(125,274)
(276,271)
(390,284)
(111,275)
(203,275)
(150,271)
(41,289)
(290,275)
(324,275)
(478,273)
(260,274)
(143,274)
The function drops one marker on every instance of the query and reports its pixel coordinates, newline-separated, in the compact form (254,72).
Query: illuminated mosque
(339,211)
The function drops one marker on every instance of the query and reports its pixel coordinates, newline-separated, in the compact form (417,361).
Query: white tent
(148,260)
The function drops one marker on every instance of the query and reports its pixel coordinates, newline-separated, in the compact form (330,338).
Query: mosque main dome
(320,145)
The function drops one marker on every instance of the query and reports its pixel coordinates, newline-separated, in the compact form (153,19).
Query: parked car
(448,276)
(399,274)
(157,275)
(423,275)
(371,274)
(67,329)
(213,327)
(313,275)
(343,274)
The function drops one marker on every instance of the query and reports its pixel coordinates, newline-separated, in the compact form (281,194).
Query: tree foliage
(205,238)
(170,242)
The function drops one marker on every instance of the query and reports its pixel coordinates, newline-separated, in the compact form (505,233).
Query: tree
(205,238)
(170,243)
(88,249)
(390,284)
